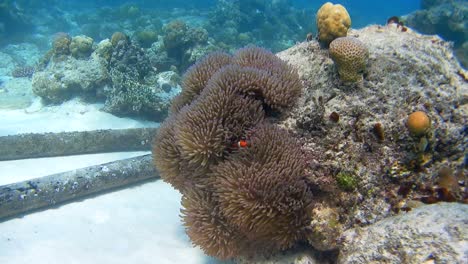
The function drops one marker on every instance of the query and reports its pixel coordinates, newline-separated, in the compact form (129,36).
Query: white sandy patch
(135,225)
(21,170)
(70,116)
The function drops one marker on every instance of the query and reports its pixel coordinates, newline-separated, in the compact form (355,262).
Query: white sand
(21,170)
(70,116)
(134,225)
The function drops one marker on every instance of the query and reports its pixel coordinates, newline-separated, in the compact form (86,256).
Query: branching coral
(236,199)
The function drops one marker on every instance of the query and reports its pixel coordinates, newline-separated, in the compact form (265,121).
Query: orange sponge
(418,123)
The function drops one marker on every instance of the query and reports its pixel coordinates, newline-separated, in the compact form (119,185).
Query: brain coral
(350,56)
(236,199)
(333,21)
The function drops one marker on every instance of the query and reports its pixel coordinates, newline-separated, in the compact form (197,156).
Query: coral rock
(61,44)
(62,80)
(81,46)
(428,234)
(119,36)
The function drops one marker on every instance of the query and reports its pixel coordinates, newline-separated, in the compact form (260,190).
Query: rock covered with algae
(358,131)
(430,234)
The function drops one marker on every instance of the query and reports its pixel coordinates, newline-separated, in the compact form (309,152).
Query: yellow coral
(61,44)
(117,37)
(81,46)
(350,56)
(333,21)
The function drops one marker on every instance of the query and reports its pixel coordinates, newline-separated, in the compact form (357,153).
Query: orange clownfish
(241,144)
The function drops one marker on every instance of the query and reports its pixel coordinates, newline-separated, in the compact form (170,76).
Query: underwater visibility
(233,131)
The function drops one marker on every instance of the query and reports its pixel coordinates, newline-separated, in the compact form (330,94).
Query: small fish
(242,143)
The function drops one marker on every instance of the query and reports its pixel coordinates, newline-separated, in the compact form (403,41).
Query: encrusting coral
(237,198)
(350,56)
(61,44)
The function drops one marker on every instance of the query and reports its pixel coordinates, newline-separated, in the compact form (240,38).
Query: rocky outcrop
(429,234)
(358,131)
(61,80)
(121,76)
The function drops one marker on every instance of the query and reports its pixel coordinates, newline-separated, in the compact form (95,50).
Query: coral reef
(244,198)
(131,92)
(333,21)
(427,4)
(367,147)
(119,36)
(146,38)
(61,44)
(350,56)
(180,40)
(61,80)
(446,19)
(178,35)
(116,71)
(26,71)
(276,23)
(81,46)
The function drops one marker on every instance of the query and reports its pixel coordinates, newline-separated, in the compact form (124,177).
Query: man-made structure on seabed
(39,193)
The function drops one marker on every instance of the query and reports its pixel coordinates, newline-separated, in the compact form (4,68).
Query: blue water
(363,12)
(24,16)
(273,24)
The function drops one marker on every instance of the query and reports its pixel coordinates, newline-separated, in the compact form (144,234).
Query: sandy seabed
(139,224)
